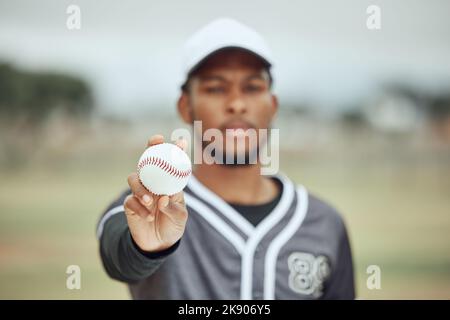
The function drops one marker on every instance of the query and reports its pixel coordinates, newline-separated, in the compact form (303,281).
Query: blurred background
(364,123)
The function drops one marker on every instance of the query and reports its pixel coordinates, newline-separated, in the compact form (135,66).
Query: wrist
(156,252)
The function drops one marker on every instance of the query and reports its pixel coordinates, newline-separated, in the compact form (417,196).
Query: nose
(236,104)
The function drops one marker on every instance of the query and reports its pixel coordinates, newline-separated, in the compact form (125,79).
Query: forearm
(122,258)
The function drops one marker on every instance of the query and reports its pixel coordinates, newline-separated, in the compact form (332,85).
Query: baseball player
(232,233)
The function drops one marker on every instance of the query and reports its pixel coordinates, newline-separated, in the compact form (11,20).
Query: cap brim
(197,66)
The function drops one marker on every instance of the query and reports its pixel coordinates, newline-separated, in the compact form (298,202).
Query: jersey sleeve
(122,259)
(341,283)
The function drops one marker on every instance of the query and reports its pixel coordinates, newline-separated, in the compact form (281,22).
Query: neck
(239,185)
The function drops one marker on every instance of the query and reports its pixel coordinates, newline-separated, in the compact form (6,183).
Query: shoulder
(114,208)
(323,215)
(118,200)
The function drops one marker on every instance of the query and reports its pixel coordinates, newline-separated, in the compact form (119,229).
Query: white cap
(219,34)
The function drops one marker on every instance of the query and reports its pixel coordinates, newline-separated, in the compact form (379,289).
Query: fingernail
(182,144)
(147,199)
(165,203)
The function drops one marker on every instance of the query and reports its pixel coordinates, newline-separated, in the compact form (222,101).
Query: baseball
(164,169)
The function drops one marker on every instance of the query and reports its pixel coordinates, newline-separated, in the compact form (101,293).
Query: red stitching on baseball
(164,165)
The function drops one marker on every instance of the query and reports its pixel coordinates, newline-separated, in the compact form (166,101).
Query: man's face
(231,90)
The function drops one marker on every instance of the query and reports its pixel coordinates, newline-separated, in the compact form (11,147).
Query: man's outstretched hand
(155,222)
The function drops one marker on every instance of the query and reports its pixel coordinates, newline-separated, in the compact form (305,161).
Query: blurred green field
(397,212)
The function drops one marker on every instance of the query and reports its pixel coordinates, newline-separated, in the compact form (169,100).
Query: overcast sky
(325,55)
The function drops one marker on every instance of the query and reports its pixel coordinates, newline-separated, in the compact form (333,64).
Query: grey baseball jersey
(300,250)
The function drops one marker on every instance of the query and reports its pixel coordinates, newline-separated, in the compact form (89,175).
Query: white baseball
(164,169)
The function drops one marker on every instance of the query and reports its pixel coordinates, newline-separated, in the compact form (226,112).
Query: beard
(237,159)
(234,158)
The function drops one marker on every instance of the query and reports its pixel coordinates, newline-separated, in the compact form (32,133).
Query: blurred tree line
(33,96)
(435,107)
(28,101)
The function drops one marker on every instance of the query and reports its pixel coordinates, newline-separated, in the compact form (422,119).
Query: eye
(251,88)
(215,89)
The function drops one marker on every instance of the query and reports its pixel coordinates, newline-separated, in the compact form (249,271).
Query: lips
(237,129)
(233,125)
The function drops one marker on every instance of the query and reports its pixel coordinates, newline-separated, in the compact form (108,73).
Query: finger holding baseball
(132,207)
(158,139)
(174,207)
(139,191)
(182,143)
(155,139)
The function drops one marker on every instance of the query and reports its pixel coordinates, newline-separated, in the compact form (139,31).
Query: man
(233,233)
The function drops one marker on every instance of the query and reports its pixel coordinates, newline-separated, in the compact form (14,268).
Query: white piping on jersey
(107,215)
(260,231)
(255,233)
(216,222)
(280,240)
(217,202)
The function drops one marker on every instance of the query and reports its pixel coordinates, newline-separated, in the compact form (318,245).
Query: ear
(274,104)
(184,108)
